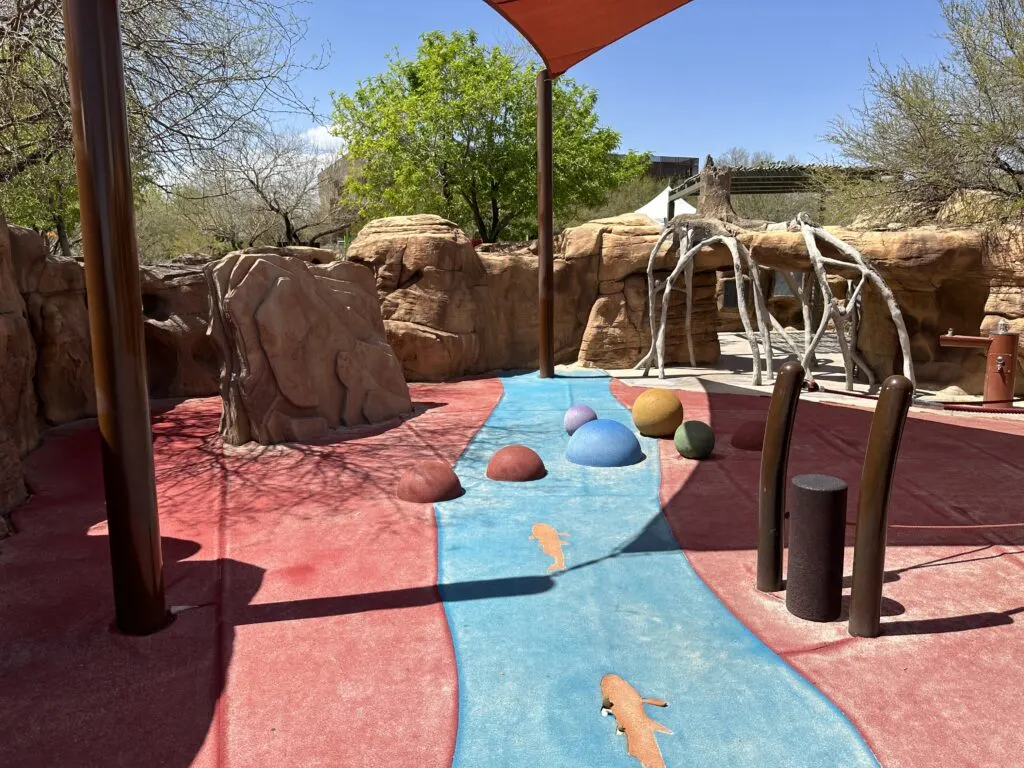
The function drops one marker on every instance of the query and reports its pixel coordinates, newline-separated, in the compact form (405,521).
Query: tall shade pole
(545,225)
(100,131)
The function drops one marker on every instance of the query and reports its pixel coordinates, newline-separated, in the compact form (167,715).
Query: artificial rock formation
(938,277)
(54,293)
(303,349)
(18,431)
(181,358)
(451,310)
(618,330)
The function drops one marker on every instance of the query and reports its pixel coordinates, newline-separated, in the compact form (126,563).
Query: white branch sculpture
(845,319)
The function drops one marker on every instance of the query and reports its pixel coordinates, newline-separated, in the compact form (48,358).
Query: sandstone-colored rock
(302,350)
(969,207)
(507,306)
(1006,301)
(304,252)
(54,293)
(181,358)
(17,359)
(920,258)
(618,332)
(399,248)
(626,246)
(428,277)
(450,310)
(427,354)
(583,242)
(941,278)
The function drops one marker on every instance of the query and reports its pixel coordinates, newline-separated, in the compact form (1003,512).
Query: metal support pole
(1001,369)
(100,131)
(873,510)
(545,225)
(817,535)
(774,462)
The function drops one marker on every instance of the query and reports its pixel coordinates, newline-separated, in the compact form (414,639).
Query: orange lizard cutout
(550,544)
(627,705)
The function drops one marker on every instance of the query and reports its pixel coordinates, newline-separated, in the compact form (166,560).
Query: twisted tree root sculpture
(845,319)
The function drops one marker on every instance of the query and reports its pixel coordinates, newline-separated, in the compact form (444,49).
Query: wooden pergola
(564,32)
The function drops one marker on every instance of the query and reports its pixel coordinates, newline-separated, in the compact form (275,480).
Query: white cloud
(320,137)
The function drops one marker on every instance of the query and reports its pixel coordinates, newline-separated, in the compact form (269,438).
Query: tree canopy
(198,73)
(955,127)
(453,132)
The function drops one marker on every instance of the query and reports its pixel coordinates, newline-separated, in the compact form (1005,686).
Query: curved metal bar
(873,511)
(778,431)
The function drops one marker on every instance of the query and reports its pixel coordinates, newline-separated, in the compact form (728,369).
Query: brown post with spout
(873,510)
(545,225)
(100,132)
(778,431)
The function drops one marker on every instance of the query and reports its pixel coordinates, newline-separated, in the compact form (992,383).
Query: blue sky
(761,74)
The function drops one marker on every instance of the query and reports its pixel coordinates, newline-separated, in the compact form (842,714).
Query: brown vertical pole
(1000,370)
(873,510)
(774,463)
(100,131)
(545,224)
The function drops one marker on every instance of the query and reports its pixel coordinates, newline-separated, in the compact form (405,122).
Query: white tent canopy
(657,209)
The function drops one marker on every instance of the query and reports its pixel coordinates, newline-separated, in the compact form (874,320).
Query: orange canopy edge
(564,32)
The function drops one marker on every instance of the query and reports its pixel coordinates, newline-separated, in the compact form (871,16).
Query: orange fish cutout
(627,705)
(551,544)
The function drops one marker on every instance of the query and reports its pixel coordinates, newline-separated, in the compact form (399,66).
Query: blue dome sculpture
(604,443)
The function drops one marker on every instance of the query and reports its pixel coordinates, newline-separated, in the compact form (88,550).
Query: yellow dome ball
(657,413)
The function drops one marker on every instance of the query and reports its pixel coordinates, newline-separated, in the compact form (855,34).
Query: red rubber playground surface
(314,635)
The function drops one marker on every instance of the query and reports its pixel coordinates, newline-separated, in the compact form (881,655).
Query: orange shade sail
(564,32)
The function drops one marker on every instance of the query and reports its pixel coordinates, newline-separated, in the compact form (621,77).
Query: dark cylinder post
(774,462)
(873,510)
(545,226)
(100,132)
(817,531)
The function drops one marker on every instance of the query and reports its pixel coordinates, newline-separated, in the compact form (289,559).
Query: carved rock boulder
(303,349)
(18,430)
(54,293)
(181,358)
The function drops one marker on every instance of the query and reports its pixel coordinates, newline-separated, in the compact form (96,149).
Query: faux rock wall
(618,330)
(54,294)
(18,431)
(941,278)
(46,375)
(451,311)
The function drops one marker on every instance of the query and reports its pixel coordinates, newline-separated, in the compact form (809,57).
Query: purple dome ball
(577,416)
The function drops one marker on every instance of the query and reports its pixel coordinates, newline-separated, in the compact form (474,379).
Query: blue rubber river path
(531,649)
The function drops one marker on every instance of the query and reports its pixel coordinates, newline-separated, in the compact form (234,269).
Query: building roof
(564,32)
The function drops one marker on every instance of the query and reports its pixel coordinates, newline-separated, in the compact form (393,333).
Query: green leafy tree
(44,197)
(453,132)
(954,128)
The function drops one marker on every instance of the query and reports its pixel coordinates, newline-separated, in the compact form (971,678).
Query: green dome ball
(694,440)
